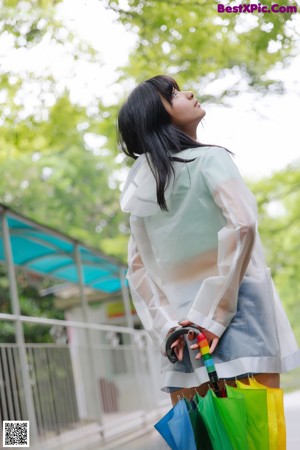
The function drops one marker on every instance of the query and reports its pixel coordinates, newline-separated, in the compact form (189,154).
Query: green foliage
(58,158)
(278,201)
(192,41)
(29,26)
(26,21)
(31,304)
(67,179)
(55,167)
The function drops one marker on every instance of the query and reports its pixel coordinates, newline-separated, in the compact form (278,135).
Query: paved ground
(153,441)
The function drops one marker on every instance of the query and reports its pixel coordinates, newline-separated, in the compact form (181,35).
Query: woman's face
(185,111)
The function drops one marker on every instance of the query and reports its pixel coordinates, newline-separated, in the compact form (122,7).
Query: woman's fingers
(213,344)
(178,346)
(177,342)
(185,323)
(179,353)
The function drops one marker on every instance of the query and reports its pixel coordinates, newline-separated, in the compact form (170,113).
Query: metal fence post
(153,371)
(19,332)
(133,342)
(99,403)
(126,299)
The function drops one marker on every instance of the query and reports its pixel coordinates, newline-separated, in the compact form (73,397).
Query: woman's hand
(211,338)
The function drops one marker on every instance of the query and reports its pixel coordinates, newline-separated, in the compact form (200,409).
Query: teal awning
(42,250)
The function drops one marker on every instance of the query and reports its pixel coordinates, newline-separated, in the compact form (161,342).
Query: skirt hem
(230,369)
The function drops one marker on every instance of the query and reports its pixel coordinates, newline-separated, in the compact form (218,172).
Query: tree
(198,44)
(30,305)
(278,201)
(57,165)
(28,27)
(67,180)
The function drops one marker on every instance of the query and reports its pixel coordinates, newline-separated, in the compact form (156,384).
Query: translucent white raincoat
(203,261)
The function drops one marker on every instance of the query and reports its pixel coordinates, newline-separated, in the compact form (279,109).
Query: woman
(195,255)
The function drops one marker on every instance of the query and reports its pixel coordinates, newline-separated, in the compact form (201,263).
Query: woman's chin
(203,113)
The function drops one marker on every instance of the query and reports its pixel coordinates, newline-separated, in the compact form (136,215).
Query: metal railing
(101,384)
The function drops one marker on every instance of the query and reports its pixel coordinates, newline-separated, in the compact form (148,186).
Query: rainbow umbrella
(176,428)
(275,407)
(255,401)
(225,420)
(236,421)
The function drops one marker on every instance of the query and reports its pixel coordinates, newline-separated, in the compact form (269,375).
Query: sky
(264,139)
(262,131)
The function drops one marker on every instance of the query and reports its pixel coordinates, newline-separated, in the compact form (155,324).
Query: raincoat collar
(139,193)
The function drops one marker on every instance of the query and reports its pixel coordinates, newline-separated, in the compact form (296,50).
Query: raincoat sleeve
(151,304)
(216,301)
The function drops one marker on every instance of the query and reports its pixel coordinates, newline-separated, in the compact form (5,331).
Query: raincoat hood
(139,193)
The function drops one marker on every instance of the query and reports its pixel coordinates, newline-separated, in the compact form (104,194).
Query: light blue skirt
(250,344)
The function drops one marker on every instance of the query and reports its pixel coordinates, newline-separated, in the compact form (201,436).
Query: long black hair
(145,127)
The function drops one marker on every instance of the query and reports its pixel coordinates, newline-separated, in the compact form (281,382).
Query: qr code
(15,433)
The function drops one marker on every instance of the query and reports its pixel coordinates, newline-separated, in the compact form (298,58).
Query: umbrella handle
(179,331)
(204,350)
